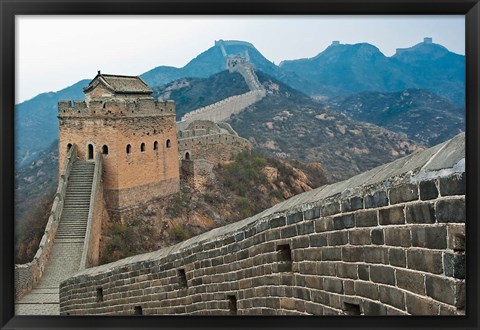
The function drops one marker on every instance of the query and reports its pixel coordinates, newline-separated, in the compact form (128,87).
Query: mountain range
(337,71)
(419,114)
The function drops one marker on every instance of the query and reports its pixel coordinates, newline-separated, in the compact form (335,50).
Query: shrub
(180,233)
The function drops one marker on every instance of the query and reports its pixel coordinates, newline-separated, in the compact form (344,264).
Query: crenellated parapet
(118,107)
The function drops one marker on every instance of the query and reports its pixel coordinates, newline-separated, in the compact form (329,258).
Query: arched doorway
(90,152)
(187,155)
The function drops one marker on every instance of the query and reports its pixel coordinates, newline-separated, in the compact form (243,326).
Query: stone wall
(390,241)
(198,174)
(28,275)
(213,147)
(97,214)
(224,109)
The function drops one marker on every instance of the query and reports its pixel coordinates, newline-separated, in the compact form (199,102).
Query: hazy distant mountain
(362,67)
(289,124)
(339,70)
(423,116)
(435,68)
(209,62)
(36,123)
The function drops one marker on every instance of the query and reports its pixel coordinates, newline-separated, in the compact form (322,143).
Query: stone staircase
(67,251)
(73,223)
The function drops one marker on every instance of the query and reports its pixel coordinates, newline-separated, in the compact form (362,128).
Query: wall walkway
(69,245)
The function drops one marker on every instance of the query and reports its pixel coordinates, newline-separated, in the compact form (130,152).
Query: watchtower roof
(119,84)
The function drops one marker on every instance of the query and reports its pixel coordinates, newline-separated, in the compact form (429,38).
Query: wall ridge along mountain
(389,241)
(224,109)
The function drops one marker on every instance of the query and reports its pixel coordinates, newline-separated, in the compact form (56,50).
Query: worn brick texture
(310,255)
(117,123)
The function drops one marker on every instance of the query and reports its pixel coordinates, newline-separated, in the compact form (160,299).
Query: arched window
(155,145)
(142,147)
(129,149)
(69,146)
(105,150)
(168,144)
(187,155)
(90,151)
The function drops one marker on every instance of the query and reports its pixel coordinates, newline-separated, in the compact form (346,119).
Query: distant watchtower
(135,135)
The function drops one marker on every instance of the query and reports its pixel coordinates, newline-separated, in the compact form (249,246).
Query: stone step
(80,190)
(77,220)
(74,224)
(77,196)
(74,212)
(73,234)
(76,204)
(76,231)
(71,211)
(74,215)
(79,202)
(78,225)
(72,230)
(80,234)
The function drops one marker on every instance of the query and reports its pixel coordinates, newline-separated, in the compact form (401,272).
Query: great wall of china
(390,241)
(224,109)
(386,242)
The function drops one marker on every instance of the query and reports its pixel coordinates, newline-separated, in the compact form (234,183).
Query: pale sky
(53,52)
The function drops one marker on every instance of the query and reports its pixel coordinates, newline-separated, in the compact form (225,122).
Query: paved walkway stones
(66,253)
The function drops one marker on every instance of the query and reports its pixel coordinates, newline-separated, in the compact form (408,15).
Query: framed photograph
(226,164)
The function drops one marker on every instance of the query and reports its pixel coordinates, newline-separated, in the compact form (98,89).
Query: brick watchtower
(135,135)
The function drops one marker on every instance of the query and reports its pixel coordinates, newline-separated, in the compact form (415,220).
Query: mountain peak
(425,47)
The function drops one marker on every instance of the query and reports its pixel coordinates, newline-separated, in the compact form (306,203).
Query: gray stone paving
(64,260)
(44,299)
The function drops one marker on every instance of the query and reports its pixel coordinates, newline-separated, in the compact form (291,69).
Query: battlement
(116,107)
(233,43)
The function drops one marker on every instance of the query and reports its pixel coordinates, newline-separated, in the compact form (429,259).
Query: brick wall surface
(121,123)
(390,241)
(213,147)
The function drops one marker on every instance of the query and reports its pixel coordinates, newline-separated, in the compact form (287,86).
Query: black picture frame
(10,8)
